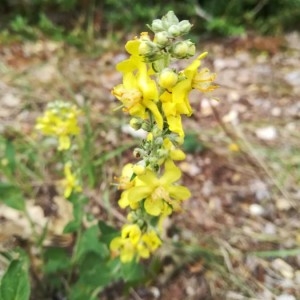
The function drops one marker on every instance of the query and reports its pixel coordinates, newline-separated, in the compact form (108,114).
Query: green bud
(158,65)
(180,50)
(162,153)
(192,49)
(162,38)
(184,26)
(174,30)
(146,126)
(140,223)
(147,48)
(156,131)
(136,123)
(138,152)
(183,49)
(158,141)
(157,25)
(169,19)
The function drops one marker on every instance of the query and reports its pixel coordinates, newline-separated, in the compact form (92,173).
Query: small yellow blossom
(234,147)
(70,182)
(133,244)
(138,93)
(125,182)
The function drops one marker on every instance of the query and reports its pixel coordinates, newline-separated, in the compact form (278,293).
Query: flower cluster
(60,121)
(133,242)
(156,96)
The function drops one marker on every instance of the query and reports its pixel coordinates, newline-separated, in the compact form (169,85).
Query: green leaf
(78,202)
(10,154)
(107,232)
(89,242)
(277,253)
(15,284)
(56,260)
(12,196)
(132,272)
(94,275)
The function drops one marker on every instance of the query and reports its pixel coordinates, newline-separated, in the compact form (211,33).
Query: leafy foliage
(78,21)
(15,283)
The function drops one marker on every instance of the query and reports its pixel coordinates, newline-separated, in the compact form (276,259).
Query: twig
(202,13)
(259,7)
(135,294)
(250,155)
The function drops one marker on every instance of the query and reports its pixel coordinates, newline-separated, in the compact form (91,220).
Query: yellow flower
(70,182)
(124,248)
(151,240)
(175,101)
(160,194)
(133,244)
(234,147)
(134,61)
(138,93)
(60,120)
(203,79)
(133,232)
(125,182)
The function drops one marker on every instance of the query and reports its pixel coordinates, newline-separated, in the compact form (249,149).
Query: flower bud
(174,30)
(162,153)
(147,48)
(170,19)
(138,152)
(192,50)
(150,137)
(157,25)
(162,38)
(167,78)
(136,123)
(183,49)
(158,141)
(140,223)
(180,50)
(144,36)
(131,216)
(184,26)
(146,126)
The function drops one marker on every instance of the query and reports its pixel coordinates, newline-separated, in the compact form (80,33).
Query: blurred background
(77,20)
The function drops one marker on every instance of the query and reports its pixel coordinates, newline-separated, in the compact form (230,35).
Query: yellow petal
(172,173)
(153,207)
(175,124)
(155,111)
(124,202)
(179,192)
(138,193)
(149,178)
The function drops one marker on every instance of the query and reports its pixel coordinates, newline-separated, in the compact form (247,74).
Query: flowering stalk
(60,121)
(155,94)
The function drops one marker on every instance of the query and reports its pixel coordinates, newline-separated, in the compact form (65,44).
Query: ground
(240,230)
